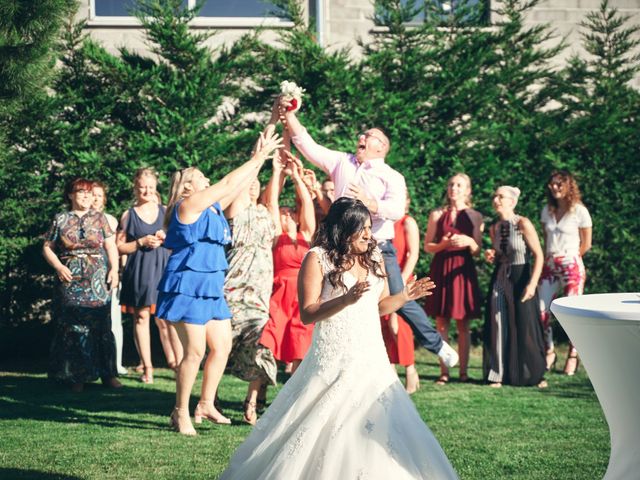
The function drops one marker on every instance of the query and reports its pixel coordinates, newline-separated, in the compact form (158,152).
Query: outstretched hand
(294,166)
(355,292)
(268,141)
(419,288)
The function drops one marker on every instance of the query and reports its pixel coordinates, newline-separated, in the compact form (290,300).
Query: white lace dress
(343,414)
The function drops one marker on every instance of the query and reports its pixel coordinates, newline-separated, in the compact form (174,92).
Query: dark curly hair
(347,217)
(573,192)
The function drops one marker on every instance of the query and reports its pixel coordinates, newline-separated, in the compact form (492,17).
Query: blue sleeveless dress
(191,288)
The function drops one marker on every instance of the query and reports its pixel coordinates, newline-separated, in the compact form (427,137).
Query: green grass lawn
(46,432)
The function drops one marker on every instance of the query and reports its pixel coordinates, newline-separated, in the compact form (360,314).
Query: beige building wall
(341,22)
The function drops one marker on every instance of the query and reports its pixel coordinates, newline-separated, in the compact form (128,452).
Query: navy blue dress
(145,266)
(191,289)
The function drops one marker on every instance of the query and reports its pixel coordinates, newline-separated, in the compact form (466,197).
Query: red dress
(285,334)
(401,352)
(457,294)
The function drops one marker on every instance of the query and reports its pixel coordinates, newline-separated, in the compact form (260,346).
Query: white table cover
(605,328)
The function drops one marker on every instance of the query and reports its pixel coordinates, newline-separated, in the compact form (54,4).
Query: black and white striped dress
(514,346)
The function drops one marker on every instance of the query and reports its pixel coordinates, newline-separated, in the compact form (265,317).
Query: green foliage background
(486,101)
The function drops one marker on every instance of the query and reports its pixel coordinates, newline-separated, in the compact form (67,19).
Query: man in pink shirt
(366,177)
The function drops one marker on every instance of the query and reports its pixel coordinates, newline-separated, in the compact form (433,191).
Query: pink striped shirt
(378,180)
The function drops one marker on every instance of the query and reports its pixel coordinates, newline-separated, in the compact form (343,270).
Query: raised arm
(320,156)
(307,215)
(222,191)
(241,199)
(276,183)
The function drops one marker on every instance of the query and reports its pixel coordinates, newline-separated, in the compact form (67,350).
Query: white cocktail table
(605,328)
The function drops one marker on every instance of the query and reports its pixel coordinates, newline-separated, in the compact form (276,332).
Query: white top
(378,180)
(563,237)
(614,306)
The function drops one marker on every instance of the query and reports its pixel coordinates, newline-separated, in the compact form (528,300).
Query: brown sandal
(442,380)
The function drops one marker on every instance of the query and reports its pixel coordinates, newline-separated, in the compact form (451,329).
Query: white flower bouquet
(292,93)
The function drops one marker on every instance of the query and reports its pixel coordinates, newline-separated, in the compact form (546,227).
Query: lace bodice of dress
(353,335)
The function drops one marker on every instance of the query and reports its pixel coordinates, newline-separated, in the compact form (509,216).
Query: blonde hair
(177,190)
(467,179)
(145,172)
(514,192)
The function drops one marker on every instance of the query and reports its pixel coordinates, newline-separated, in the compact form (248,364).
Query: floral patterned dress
(83,347)
(247,289)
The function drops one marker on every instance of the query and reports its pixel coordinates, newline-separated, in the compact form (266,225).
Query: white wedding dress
(344,413)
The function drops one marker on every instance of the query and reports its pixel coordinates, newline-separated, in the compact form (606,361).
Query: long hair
(176,192)
(574,196)
(468,202)
(346,218)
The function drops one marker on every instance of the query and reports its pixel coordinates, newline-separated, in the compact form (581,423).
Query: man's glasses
(373,135)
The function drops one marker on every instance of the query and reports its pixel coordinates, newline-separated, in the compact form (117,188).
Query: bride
(344,414)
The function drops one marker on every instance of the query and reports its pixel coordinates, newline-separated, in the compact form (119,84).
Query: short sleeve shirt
(563,237)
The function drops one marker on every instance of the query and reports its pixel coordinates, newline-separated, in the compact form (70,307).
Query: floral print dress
(247,289)
(83,346)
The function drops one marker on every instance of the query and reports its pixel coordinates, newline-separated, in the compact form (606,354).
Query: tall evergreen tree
(29,41)
(601,141)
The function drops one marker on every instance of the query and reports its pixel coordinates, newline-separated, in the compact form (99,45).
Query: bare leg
(176,345)
(193,338)
(442,324)
(464,345)
(164,329)
(571,365)
(143,339)
(251,402)
(218,334)
(412,379)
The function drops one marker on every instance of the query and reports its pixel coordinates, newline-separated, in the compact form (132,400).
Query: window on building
(237,8)
(445,9)
(210,9)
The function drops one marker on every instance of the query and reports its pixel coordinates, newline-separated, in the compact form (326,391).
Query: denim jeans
(413,313)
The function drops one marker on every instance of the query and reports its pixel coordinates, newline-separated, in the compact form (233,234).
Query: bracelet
(138,243)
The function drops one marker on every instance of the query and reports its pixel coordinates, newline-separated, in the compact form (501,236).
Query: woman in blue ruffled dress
(190,293)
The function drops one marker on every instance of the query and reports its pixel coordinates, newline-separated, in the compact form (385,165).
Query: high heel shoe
(147,376)
(216,417)
(570,369)
(250,415)
(174,423)
(551,358)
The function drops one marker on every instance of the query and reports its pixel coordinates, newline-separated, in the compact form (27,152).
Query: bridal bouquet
(292,93)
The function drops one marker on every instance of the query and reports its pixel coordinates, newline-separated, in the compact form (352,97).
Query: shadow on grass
(37,398)
(18,474)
